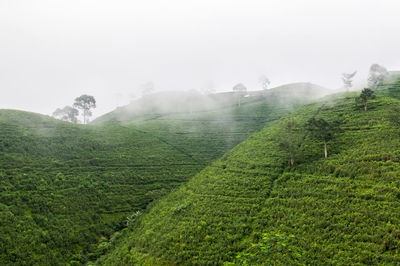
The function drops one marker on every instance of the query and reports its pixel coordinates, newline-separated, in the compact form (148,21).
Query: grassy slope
(51,171)
(342,210)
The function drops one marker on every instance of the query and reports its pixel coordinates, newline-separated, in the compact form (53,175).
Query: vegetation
(240,91)
(273,249)
(68,114)
(377,75)
(342,210)
(366,95)
(348,80)
(68,190)
(290,138)
(323,130)
(85,103)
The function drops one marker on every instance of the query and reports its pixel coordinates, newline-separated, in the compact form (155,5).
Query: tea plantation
(342,210)
(67,190)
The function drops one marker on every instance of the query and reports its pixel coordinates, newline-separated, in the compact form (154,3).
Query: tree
(264,81)
(67,113)
(366,95)
(240,90)
(377,74)
(85,103)
(323,130)
(290,139)
(347,80)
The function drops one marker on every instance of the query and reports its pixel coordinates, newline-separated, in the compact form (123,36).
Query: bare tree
(377,74)
(85,103)
(348,79)
(67,113)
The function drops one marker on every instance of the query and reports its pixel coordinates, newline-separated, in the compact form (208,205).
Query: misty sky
(53,51)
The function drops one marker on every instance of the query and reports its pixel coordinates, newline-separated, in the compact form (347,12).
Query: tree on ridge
(85,103)
(240,90)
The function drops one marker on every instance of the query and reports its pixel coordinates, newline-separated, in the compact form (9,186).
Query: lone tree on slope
(348,79)
(240,90)
(323,130)
(67,113)
(85,103)
(377,74)
(290,139)
(366,95)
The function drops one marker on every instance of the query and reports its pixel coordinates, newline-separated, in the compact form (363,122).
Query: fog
(53,51)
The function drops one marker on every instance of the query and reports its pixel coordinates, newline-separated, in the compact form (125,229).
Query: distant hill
(343,210)
(65,189)
(173,102)
(301,90)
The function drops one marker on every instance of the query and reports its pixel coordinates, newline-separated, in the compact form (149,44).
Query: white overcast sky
(53,51)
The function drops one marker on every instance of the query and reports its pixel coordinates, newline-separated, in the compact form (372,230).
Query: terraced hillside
(66,189)
(343,210)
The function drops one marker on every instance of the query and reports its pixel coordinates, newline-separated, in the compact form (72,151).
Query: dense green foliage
(342,210)
(85,103)
(272,249)
(322,130)
(366,95)
(66,189)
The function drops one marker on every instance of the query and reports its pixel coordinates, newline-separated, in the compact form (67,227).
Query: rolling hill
(342,210)
(152,106)
(66,189)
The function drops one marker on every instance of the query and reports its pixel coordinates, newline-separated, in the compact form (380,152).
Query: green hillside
(66,189)
(343,210)
(160,104)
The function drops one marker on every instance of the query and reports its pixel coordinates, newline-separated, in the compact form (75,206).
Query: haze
(53,51)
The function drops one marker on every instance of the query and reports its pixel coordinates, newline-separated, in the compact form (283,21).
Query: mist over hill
(199,132)
(168,167)
(174,102)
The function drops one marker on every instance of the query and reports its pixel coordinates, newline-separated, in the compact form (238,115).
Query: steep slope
(65,189)
(341,210)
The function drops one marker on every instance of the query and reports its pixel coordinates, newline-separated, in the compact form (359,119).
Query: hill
(66,189)
(172,102)
(340,210)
